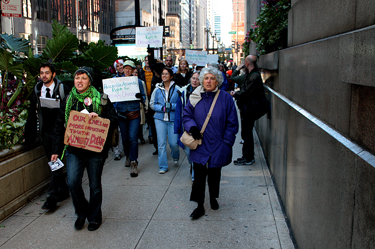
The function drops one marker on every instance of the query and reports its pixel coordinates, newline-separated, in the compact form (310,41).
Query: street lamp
(82,30)
(207,30)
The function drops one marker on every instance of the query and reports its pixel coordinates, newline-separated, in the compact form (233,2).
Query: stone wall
(319,137)
(22,177)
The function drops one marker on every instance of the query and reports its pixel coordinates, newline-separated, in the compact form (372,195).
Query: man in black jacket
(40,127)
(251,90)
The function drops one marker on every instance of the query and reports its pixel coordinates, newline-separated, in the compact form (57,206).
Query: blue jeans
(164,128)
(129,135)
(75,165)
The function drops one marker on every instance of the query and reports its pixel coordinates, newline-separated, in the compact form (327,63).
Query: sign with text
(11,8)
(197,57)
(152,36)
(85,133)
(212,58)
(121,88)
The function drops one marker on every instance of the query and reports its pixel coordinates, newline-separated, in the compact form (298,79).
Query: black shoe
(93,226)
(151,140)
(155,152)
(214,204)
(241,142)
(117,158)
(244,162)
(63,196)
(142,140)
(80,222)
(50,204)
(197,213)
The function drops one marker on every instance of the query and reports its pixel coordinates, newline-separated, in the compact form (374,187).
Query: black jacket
(181,80)
(108,112)
(41,119)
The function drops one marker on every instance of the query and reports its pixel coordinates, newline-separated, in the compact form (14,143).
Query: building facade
(97,16)
(238,25)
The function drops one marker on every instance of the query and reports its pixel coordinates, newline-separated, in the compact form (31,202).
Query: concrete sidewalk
(152,211)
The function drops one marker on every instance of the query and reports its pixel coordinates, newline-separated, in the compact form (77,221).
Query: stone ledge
(269,61)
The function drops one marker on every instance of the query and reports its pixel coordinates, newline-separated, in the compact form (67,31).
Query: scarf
(75,97)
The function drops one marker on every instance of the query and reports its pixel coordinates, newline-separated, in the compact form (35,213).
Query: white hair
(212,70)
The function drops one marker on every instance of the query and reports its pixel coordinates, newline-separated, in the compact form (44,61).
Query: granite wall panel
(317,19)
(365,10)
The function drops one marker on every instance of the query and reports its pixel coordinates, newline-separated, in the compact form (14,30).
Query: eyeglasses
(168,60)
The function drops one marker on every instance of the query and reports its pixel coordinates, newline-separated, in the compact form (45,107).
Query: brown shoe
(133,169)
(127,162)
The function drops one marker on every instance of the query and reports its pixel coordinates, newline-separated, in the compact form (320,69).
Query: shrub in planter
(269,32)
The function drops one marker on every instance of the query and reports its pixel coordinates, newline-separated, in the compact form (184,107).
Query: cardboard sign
(84,133)
(121,88)
(197,57)
(152,36)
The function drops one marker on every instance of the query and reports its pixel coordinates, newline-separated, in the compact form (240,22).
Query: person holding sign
(129,120)
(85,98)
(44,105)
(183,74)
(163,102)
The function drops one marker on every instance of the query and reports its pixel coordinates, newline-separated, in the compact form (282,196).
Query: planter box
(269,61)
(22,177)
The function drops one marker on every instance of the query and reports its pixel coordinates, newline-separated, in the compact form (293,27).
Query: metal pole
(237,36)
(137,14)
(161,24)
(77,16)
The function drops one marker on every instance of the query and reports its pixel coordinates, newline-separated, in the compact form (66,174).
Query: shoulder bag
(188,139)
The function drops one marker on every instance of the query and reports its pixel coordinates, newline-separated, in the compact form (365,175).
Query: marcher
(183,74)
(217,140)
(169,64)
(163,102)
(84,98)
(181,103)
(129,120)
(144,108)
(147,76)
(118,147)
(40,125)
(251,88)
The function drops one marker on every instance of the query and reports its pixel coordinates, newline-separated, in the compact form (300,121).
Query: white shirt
(43,90)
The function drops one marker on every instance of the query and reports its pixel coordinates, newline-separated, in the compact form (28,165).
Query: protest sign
(212,58)
(81,132)
(197,57)
(121,88)
(149,35)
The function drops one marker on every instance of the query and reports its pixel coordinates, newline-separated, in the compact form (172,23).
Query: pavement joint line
(263,163)
(161,199)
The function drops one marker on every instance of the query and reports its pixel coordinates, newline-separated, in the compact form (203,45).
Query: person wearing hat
(119,66)
(129,121)
(84,98)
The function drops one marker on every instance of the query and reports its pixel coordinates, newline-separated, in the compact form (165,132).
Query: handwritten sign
(149,35)
(121,88)
(197,57)
(81,132)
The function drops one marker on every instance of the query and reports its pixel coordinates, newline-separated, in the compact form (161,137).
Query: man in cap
(129,120)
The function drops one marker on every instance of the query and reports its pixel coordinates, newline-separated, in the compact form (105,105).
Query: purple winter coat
(220,133)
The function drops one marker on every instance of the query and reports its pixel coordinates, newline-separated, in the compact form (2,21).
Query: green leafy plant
(269,32)
(20,71)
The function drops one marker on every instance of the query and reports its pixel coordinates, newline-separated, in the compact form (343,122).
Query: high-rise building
(90,19)
(238,26)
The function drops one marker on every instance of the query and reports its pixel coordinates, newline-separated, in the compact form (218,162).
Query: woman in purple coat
(217,140)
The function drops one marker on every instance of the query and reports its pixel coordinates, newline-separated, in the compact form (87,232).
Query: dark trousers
(247,125)
(201,172)
(76,165)
(151,125)
(57,187)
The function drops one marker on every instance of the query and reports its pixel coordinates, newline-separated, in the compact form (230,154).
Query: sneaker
(162,171)
(240,159)
(155,152)
(127,162)
(244,162)
(133,169)
(175,161)
(117,158)
(241,142)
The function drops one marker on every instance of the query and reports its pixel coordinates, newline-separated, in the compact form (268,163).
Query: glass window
(41,43)
(26,8)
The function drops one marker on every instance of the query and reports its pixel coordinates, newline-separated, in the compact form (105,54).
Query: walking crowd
(173,102)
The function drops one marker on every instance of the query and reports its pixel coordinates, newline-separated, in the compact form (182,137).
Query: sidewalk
(152,211)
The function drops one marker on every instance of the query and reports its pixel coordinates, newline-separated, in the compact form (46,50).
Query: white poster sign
(212,58)
(152,36)
(11,8)
(197,57)
(121,88)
